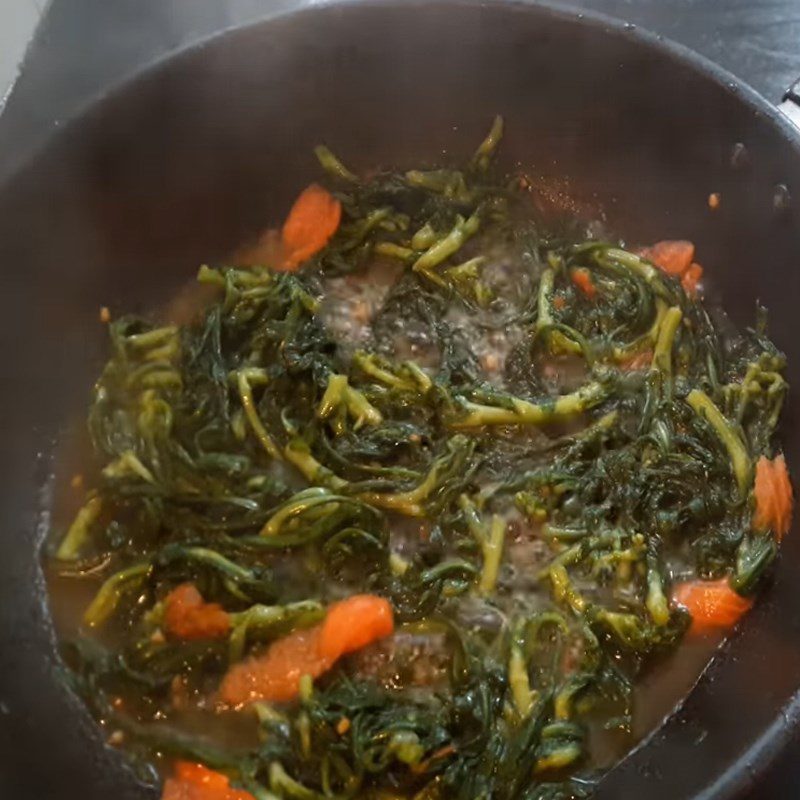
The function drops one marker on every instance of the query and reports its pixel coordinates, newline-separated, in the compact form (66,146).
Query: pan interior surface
(197,154)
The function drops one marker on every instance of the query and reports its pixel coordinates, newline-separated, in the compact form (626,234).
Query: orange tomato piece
(354,623)
(674,256)
(582,278)
(275,675)
(774,496)
(349,625)
(313,219)
(188,616)
(197,782)
(691,278)
(713,605)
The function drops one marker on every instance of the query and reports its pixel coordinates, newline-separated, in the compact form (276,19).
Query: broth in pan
(442,491)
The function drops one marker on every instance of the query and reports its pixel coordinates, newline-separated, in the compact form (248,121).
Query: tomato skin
(197,782)
(312,221)
(713,605)
(275,675)
(774,497)
(354,623)
(691,278)
(187,616)
(674,256)
(582,278)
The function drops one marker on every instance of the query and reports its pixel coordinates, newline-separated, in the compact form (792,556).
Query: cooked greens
(512,460)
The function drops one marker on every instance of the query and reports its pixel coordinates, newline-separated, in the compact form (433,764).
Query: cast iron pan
(183,162)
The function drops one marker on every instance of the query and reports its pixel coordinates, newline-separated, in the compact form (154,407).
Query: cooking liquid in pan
(660,691)
(570,639)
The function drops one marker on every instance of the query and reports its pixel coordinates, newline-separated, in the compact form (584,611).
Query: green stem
(626,351)
(339,393)
(487,147)
(264,618)
(662,355)
(331,164)
(492,554)
(246,396)
(562,703)
(558,759)
(740,461)
(157,336)
(285,786)
(519,682)
(524,412)
(408,503)
(564,591)
(656,601)
(110,593)
(362,411)
(295,506)
(636,264)
(298,453)
(423,238)
(556,340)
(208,557)
(411,378)
(393,250)
(446,247)
(79,530)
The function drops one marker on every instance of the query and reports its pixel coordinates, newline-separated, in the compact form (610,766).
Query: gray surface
(757,40)
(85,46)
(18,19)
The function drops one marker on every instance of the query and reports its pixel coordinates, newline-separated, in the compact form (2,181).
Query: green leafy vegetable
(429,410)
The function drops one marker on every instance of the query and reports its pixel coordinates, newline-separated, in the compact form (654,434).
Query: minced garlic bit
(105,315)
(713,201)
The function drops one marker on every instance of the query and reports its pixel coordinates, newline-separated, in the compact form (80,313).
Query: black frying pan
(200,151)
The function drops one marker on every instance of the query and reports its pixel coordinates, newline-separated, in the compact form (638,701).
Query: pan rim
(766,747)
(555,9)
